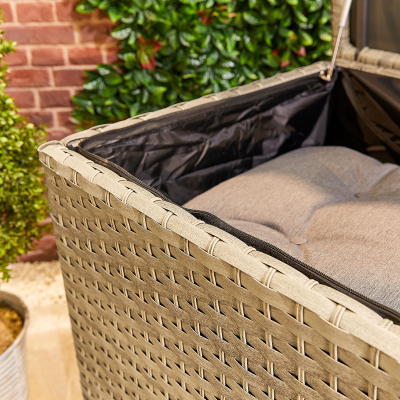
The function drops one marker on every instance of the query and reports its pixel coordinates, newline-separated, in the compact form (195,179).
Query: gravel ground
(37,283)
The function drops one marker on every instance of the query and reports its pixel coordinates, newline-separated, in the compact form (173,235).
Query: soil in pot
(10,326)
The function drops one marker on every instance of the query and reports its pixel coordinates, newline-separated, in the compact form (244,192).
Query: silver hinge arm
(342,23)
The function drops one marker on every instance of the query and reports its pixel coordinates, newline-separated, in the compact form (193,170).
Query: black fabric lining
(169,171)
(185,156)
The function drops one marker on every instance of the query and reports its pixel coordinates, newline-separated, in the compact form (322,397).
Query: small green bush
(22,199)
(178,50)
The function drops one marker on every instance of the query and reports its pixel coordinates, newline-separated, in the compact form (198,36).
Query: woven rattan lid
(369,60)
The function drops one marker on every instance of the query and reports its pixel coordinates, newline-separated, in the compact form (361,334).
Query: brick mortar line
(94,16)
(13,8)
(52,78)
(29,48)
(29,56)
(54,115)
(104,55)
(48,109)
(52,89)
(56,23)
(94,45)
(54,10)
(25,88)
(64,54)
(77,67)
(36,98)
(30,1)
(57,119)
(77,34)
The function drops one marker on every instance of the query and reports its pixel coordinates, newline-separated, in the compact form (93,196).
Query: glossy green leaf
(252,3)
(142,77)
(145,96)
(228,75)
(286,21)
(127,19)
(93,84)
(113,78)
(252,17)
(299,15)
(273,61)
(172,37)
(162,76)
(115,13)
(315,5)
(105,69)
(286,33)
(198,46)
(130,60)
(212,58)
(109,91)
(122,32)
(134,109)
(325,17)
(186,38)
(305,38)
(325,34)
(87,104)
(250,44)
(132,38)
(94,2)
(156,90)
(150,16)
(104,4)
(250,74)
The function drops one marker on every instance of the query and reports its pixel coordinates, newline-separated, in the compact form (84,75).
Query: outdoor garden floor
(53,372)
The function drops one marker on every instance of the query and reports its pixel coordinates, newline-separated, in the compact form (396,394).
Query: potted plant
(22,208)
(13,326)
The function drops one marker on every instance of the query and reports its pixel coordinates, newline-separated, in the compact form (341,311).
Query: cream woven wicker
(369,60)
(164,306)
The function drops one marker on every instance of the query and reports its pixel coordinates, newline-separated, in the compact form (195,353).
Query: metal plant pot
(13,364)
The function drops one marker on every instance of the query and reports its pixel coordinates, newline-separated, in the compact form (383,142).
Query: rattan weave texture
(366,59)
(164,306)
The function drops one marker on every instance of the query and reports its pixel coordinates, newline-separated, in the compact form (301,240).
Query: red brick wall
(55,45)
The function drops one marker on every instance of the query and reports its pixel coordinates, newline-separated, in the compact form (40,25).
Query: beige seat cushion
(330,207)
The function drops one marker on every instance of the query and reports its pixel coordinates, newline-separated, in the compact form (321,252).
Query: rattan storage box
(166,306)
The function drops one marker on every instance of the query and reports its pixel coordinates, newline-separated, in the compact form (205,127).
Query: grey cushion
(331,207)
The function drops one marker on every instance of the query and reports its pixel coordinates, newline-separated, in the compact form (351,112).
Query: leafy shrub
(22,200)
(178,50)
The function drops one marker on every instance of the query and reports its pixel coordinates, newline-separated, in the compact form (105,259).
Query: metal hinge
(327,75)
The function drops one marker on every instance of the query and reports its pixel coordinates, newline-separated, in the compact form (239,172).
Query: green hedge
(22,198)
(178,50)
